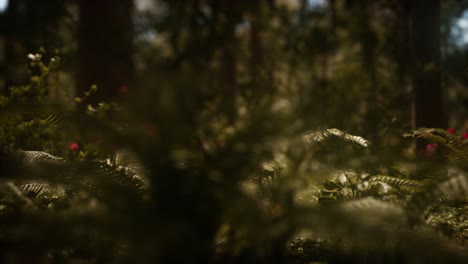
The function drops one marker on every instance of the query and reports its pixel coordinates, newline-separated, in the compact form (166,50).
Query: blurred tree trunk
(368,42)
(227,16)
(3,52)
(260,59)
(428,108)
(105,37)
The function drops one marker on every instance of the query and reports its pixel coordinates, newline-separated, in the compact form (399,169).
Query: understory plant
(144,181)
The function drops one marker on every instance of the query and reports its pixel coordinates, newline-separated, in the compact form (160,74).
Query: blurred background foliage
(217,131)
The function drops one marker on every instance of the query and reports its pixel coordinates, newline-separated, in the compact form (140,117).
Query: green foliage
(212,160)
(395,200)
(27,117)
(42,81)
(227,194)
(454,148)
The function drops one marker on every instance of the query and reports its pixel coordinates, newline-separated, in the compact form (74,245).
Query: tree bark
(3,59)
(105,38)
(368,42)
(428,107)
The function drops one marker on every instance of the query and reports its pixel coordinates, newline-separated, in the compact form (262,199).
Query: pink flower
(451,131)
(431,147)
(74,147)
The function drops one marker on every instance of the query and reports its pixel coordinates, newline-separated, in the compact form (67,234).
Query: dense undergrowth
(123,183)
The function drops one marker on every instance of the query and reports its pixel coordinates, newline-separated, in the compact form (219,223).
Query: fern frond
(437,134)
(319,136)
(458,155)
(36,188)
(53,119)
(455,187)
(455,148)
(404,185)
(372,209)
(42,190)
(355,225)
(39,156)
(19,194)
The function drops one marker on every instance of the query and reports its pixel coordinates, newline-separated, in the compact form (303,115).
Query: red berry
(74,147)
(465,135)
(451,131)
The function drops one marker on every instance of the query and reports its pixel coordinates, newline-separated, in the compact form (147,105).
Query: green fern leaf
(315,137)
(454,187)
(404,185)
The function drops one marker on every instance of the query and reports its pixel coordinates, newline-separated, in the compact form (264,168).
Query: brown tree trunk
(368,42)
(229,60)
(428,107)
(260,61)
(3,59)
(104,48)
